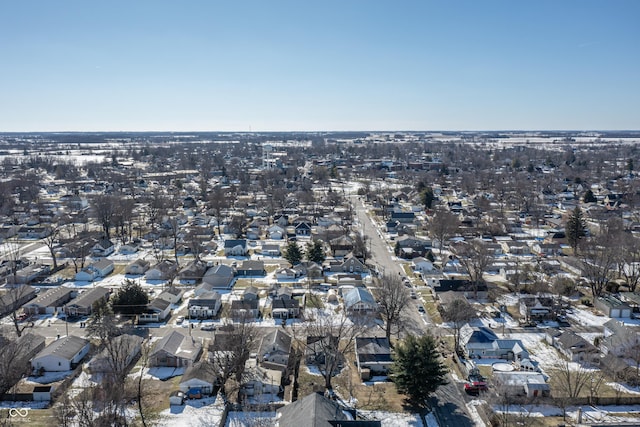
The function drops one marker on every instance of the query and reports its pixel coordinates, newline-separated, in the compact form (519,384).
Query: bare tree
(218,201)
(474,258)
(393,298)
(50,240)
(459,312)
(14,363)
(570,380)
(341,333)
(598,258)
(229,352)
(104,210)
(12,301)
(443,225)
(629,261)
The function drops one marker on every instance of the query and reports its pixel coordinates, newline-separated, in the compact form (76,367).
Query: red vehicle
(474,388)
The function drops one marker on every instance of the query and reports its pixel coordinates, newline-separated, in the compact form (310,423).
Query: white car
(207,327)
(179,320)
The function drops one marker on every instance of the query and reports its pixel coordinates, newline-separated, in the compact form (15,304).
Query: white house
(61,355)
(95,270)
(200,377)
(137,267)
(422,265)
(275,232)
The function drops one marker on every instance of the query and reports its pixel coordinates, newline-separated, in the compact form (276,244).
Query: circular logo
(18,412)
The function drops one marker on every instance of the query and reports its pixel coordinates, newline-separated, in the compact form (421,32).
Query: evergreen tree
(417,369)
(292,253)
(315,251)
(576,228)
(427,197)
(130,299)
(589,197)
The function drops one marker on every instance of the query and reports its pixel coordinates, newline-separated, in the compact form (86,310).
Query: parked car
(179,320)
(421,309)
(474,388)
(207,327)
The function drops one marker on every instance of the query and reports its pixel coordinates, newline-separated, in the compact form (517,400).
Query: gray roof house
(82,305)
(175,350)
(217,277)
(358,301)
(315,410)
(49,301)
(61,355)
(373,356)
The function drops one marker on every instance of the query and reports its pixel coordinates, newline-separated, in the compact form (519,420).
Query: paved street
(448,402)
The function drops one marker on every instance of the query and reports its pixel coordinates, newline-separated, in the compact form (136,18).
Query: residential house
(311,269)
(359,301)
(137,267)
(237,247)
(172,294)
(274,351)
(619,338)
(315,410)
(16,297)
(261,380)
(483,343)
(315,351)
(64,354)
(270,250)
(104,247)
(192,273)
(164,270)
(126,346)
(403,217)
(205,306)
(244,309)
(287,274)
(411,247)
(175,350)
(49,302)
(29,274)
(538,308)
(276,232)
(250,293)
(285,308)
(251,268)
(82,305)
(522,383)
(421,265)
(95,270)
(546,249)
(612,307)
(350,264)
(341,246)
(462,286)
(198,379)
(618,368)
(373,356)
(158,310)
(574,347)
(303,229)
(33,232)
(217,277)
(129,248)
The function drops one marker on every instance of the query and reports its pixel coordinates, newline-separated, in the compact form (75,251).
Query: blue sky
(319,65)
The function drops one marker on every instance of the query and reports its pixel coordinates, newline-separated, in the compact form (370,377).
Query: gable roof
(65,348)
(356,295)
(178,345)
(313,410)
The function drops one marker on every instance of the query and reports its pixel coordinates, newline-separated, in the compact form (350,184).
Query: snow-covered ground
(586,318)
(194,413)
(590,414)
